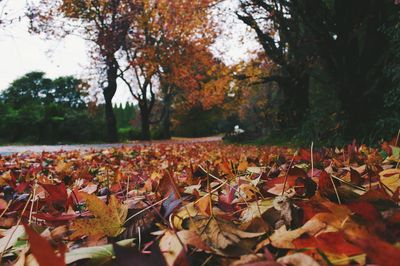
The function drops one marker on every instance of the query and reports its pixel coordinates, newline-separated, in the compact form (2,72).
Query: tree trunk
(166,123)
(296,102)
(145,123)
(166,118)
(109,92)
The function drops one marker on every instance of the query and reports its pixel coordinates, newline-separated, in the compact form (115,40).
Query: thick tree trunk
(166,123)
(145,123)
(109,92)
(166,118)
(296,101)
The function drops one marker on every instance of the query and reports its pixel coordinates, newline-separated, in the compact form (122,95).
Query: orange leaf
(203,205)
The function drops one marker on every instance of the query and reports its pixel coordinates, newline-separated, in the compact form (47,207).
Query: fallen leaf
(204,205)
(219,233)
(108,220)
(256,209)
(100,254)
(11,237)
(42,250)
(171,244)
(298,259)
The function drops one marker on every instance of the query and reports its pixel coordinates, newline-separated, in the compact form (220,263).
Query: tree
(104,23)
(335,47)
(166,39)
(281,35)
(38,109)
(35,88)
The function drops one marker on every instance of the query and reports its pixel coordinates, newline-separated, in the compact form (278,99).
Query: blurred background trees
(327,71)
(41,110)
(332,59)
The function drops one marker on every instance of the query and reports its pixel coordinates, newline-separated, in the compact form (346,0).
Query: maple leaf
(219,233)
(43,251)
(57,195)
(322,222)
(108,219)
(332,242)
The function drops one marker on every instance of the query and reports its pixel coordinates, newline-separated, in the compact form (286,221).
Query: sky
(22,52)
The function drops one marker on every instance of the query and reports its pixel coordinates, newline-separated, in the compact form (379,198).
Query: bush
(125,133)
(135,134)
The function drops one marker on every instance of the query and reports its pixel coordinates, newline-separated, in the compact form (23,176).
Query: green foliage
(197,122)
(323,121)
(35,109)
(390,118)
(125,114)
(135,133)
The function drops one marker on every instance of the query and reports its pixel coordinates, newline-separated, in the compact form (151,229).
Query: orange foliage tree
(169,45)
(158,48)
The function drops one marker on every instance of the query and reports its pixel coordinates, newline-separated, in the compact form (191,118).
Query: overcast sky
(21,52)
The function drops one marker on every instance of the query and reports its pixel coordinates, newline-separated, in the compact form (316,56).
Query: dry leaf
(298,259)
(219,233)
(108,220)
(171,244)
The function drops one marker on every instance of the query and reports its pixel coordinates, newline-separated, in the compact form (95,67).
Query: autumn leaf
(298,259)
(219,233)
(390,178)
(10,237)
(331,242)
(243,165)
(256,209)
(171,244)
(203,205)
(43,251)
(99,254)
(108,219)
(57,195)
(283,238)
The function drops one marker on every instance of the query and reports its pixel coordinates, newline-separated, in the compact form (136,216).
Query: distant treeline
(36,109)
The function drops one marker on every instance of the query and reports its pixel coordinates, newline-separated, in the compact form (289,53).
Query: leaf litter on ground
(201,204)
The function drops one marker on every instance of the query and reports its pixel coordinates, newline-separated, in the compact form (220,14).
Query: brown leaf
(219,233)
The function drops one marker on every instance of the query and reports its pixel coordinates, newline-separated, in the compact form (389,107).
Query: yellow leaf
(6,176)
(108,220)
(391,178)
(243,166)
(184,212)
(63,167)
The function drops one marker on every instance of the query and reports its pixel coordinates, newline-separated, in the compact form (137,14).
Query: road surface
(7,150)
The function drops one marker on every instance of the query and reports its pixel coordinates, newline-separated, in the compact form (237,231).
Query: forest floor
(200,202)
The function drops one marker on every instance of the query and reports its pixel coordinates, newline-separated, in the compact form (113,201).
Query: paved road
(7,150)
